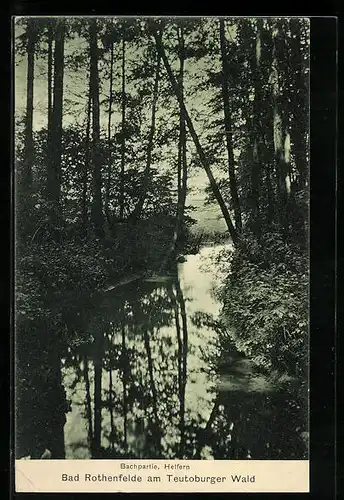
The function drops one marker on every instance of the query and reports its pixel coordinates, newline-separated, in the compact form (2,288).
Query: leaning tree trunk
(216,191)
(228,128)
(182,164)
(96,209)
(55,133)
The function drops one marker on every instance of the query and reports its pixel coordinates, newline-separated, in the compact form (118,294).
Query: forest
(120,125)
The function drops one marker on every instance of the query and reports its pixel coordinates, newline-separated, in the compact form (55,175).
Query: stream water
(139,381)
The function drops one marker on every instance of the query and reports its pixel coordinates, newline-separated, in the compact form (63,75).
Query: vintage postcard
(161,254)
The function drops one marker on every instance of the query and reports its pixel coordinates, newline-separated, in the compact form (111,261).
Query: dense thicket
(134,108)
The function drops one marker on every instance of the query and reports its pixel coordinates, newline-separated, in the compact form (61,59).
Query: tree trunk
(299,128)
(136,214)
(121,189)
(279,132)
(28,141)
(108,183)
(257,134)
(55,134)
(182,165)
(50,74)
(87,165)
(96,209)
(232,231)
(228,129)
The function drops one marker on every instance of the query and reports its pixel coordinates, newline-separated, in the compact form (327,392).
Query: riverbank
(265,297)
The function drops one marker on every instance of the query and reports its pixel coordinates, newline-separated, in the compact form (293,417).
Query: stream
(138,381)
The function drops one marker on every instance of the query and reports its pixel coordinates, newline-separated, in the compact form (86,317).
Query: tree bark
(232,231)
(136,214)
(96,209)
(228,128)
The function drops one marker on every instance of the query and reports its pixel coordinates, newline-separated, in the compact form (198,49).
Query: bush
(265,301)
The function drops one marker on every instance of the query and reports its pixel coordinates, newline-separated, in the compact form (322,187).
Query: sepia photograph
(161,200)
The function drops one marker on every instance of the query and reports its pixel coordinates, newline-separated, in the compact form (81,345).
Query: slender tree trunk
(108,183)
(279,133)
(299,128)
(121,188)
(96,209)
(136,214)
(28,141)
(257,130)
(216,191)
(182,164)
(50,75)
(266,150)
(228,128)
(55,134)
(86,166)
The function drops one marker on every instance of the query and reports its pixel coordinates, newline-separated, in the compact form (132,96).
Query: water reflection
(140,385)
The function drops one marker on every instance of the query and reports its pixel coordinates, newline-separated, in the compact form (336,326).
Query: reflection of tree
(124,369)
(88,401)
(157,432)
(140,381)
(40,403)
(98,363)
(178,305)
(112,426)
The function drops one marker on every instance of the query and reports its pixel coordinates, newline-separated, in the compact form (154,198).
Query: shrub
(265,301)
